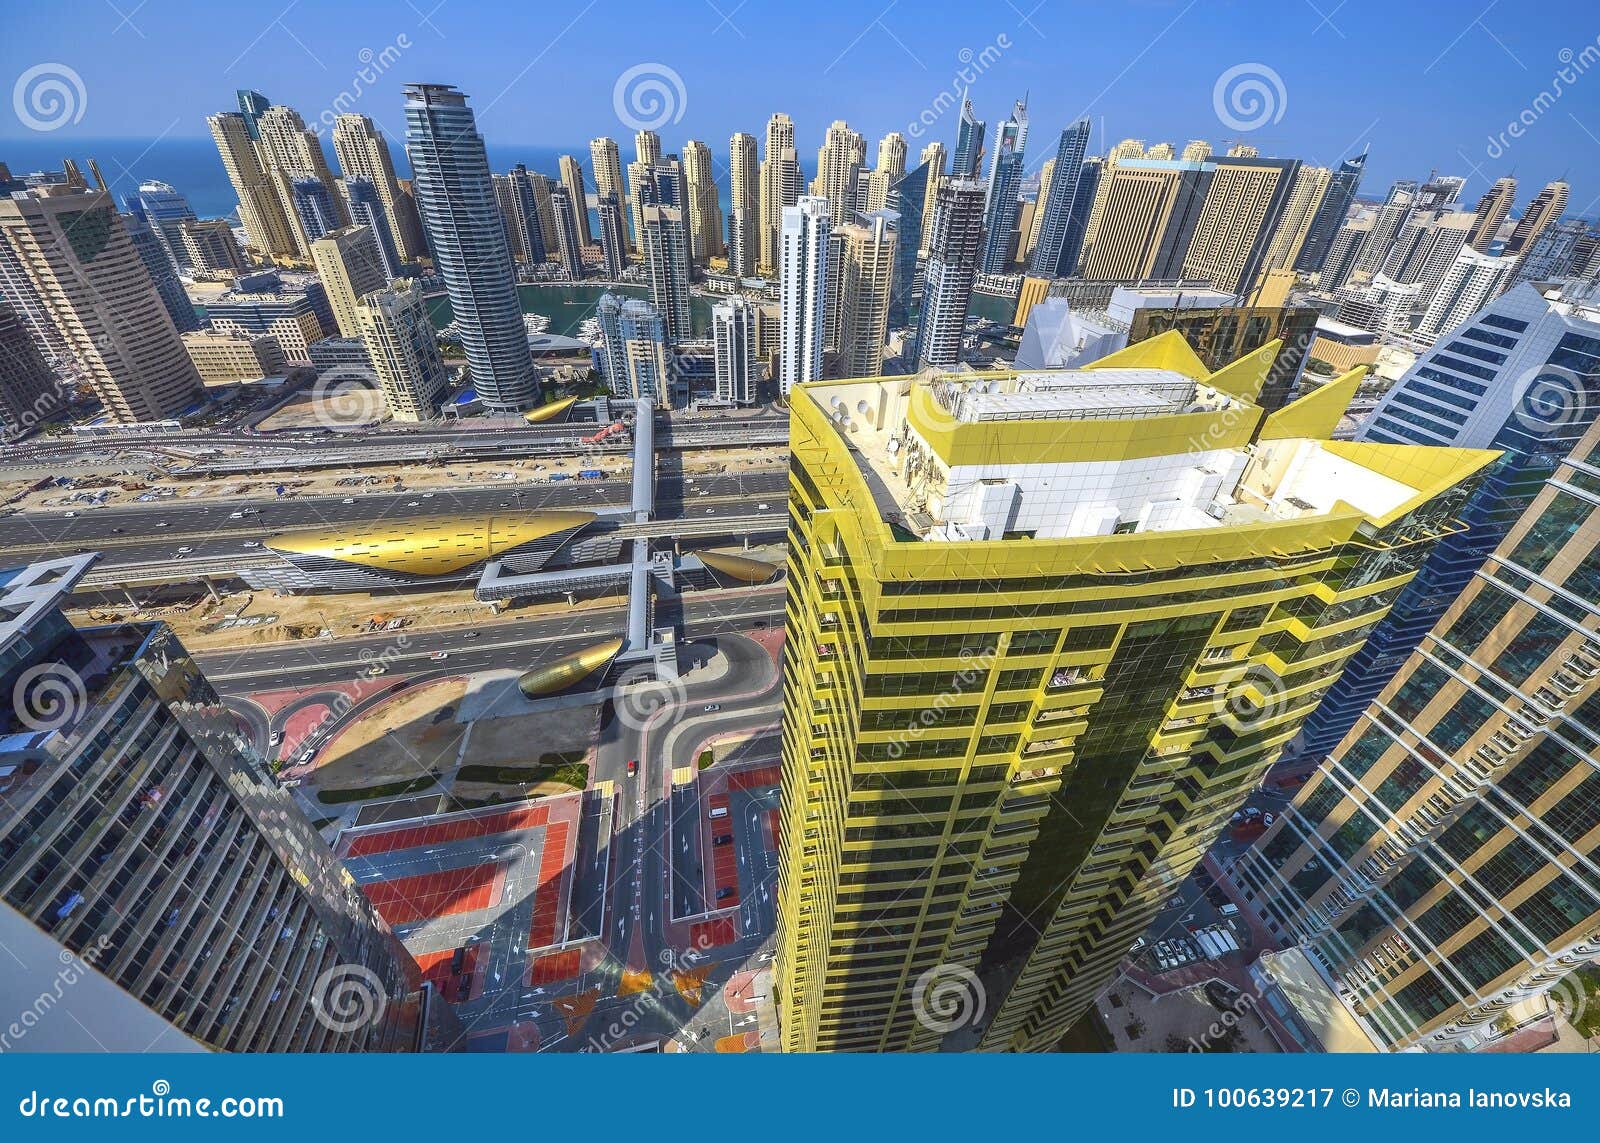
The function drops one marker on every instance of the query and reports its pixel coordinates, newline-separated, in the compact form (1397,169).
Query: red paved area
(410,837)
(556,966)
(408,899)
(717,931)
(547,898)
(724,862)
(301,723)
(274,701)
(751,779)
(436,967)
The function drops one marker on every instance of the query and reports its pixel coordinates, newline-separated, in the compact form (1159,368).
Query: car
(471,634)
(116,531)
(162,524)
(348,500)
(725,892)
(758,624)
(439,656)
(277,737)
(236,515)
(68,515)
(291,784)
(413,504)
(763,507)
(252,543)
(633,767)
(427,495)
(185,550)
(722,839)
(377,669)
(711,511)
(711,707)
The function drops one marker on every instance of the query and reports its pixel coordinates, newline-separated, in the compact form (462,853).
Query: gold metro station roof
(559,674)
(432,546)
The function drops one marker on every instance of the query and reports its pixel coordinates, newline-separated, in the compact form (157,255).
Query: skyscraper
(1557,253)
(780,187)
(314,210)
(865,292)
(404,350)
(891,166)
(363,153)
(1390,219)
(1288,236)
(1143,216)
(807,229)
(906,199)
(1031,226)
(666,261)
(166,210)
(366,208)
(572,179)
(744,205)
(569,243)
(1440,861)
(455,195)
(139,834)
(733,334)
(351,266)
(613,240)
(30,395)
(99,295)
(163,273)
(1471,280)
(955,242)
(1518,377)
(634,349)
(1331,214)
(1001,196)
(606,162)
(261,210)
(294,159)
(1056,254)
(1243,203)
(969,144)
(704,212)
(1001,753)
(212,247)
(1491,213)
(1545,208)
(526,193)
(647,153)
(839,161)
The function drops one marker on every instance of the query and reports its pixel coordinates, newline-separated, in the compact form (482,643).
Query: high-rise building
(366,209)
(1056,253)
(569,243)
(1143,216)
(704,212)
(744,205)
(30,394)
(733,336)
(572,179)
(1387,223)
(212,247)
(646,147)
(1196,151)
(293,156)
(1243,204)
(606,162)
(363,153)
(1331,214)
(666,261)
(807,229)
(907,199)
(1288,236)
(890,169)
(839,161)
(1033,225)
(963,547)
(1491,214)
(226,358)
(934,155)
(1471,280)
(450,177)
(297,315)
(1557,253)
(404,351)
(265,219)
(968,160)
(865,292)
(141,835)
(166,210)
(1001,196)
(1516,376)
(314,210)
(637,360)
(94,285)
(252,105)
(163,274)
(647,153)
(613,235)
(351,266)
(613,364)
(524,198)
(1545,208)
(1440,863)
(780,188)
(955,243)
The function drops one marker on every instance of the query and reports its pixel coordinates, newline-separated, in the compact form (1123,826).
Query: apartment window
(1485,957)
(1577,814)
(1515,325)
(1556,909)
(1555,527)
(1535,643)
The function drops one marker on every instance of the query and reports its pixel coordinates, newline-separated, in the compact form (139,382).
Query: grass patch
(570,773)
(1586,979)
(385,790)
(706,759)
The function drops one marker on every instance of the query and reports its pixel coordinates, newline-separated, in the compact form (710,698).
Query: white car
(763,507)
(236,515)
(185,550)
(69,515)
(348,500)
(439,656)
(252,544)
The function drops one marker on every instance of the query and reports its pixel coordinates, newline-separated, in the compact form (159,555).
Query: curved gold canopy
(549,412)
(739,567)
(549,678)
(435,545)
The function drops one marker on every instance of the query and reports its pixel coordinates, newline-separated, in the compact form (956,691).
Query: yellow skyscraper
(1045,631)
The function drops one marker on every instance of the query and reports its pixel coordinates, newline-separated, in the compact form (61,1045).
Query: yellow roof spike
(1164,351)
(1428,470)
(549,412)
(1245,377)
(1315,415)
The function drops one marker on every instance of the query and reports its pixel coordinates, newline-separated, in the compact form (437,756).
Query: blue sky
(1426,85)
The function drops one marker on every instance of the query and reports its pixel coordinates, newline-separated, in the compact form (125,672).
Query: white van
(718,812)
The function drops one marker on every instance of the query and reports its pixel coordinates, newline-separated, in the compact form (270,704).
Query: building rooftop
(1144,440)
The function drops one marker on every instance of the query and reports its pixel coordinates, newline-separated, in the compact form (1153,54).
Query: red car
(633,767)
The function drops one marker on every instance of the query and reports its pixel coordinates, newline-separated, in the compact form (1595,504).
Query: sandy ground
(337,407)
(402,739)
